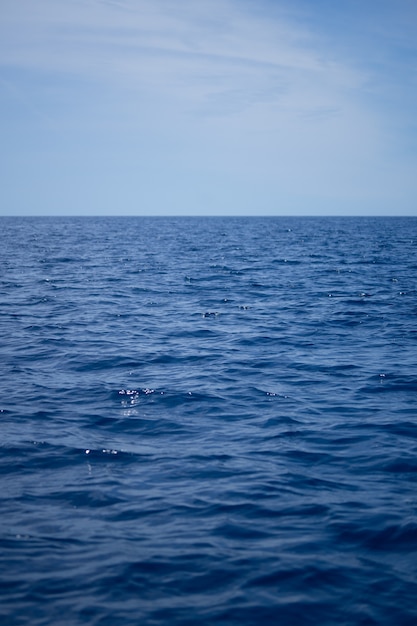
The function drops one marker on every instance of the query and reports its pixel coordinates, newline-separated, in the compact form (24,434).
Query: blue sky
(234,107)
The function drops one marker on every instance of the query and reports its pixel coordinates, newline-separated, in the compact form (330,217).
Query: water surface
(208,421)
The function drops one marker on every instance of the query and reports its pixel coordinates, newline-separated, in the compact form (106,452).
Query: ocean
(208,421)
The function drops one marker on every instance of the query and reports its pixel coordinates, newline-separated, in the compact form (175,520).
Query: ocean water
(208,421)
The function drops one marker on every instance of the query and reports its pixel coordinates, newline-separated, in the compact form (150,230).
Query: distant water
(208,421)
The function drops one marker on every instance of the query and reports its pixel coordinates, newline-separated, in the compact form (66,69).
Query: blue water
(208,421)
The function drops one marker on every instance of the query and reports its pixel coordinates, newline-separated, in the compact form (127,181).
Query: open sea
(208,421)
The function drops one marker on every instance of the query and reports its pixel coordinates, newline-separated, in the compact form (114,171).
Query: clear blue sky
(177,107)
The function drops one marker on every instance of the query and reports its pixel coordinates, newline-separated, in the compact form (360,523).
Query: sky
(208,107)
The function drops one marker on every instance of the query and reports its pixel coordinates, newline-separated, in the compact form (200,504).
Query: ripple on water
(208,421)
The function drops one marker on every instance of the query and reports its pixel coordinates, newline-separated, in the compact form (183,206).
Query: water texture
(208,421)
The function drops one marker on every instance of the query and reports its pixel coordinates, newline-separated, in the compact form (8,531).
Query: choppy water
(208,421)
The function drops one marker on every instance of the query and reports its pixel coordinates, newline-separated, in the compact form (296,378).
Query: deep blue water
(208,421)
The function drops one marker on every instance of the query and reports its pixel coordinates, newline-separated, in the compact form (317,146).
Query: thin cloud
(183,53)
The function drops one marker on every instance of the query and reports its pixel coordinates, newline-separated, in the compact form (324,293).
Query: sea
(208,421)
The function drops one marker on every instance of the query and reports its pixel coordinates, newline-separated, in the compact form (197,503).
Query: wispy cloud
(208,55)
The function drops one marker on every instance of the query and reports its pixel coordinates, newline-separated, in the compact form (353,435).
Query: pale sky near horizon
(207,107)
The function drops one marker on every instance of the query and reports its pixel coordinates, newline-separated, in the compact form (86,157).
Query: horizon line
(207,215)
